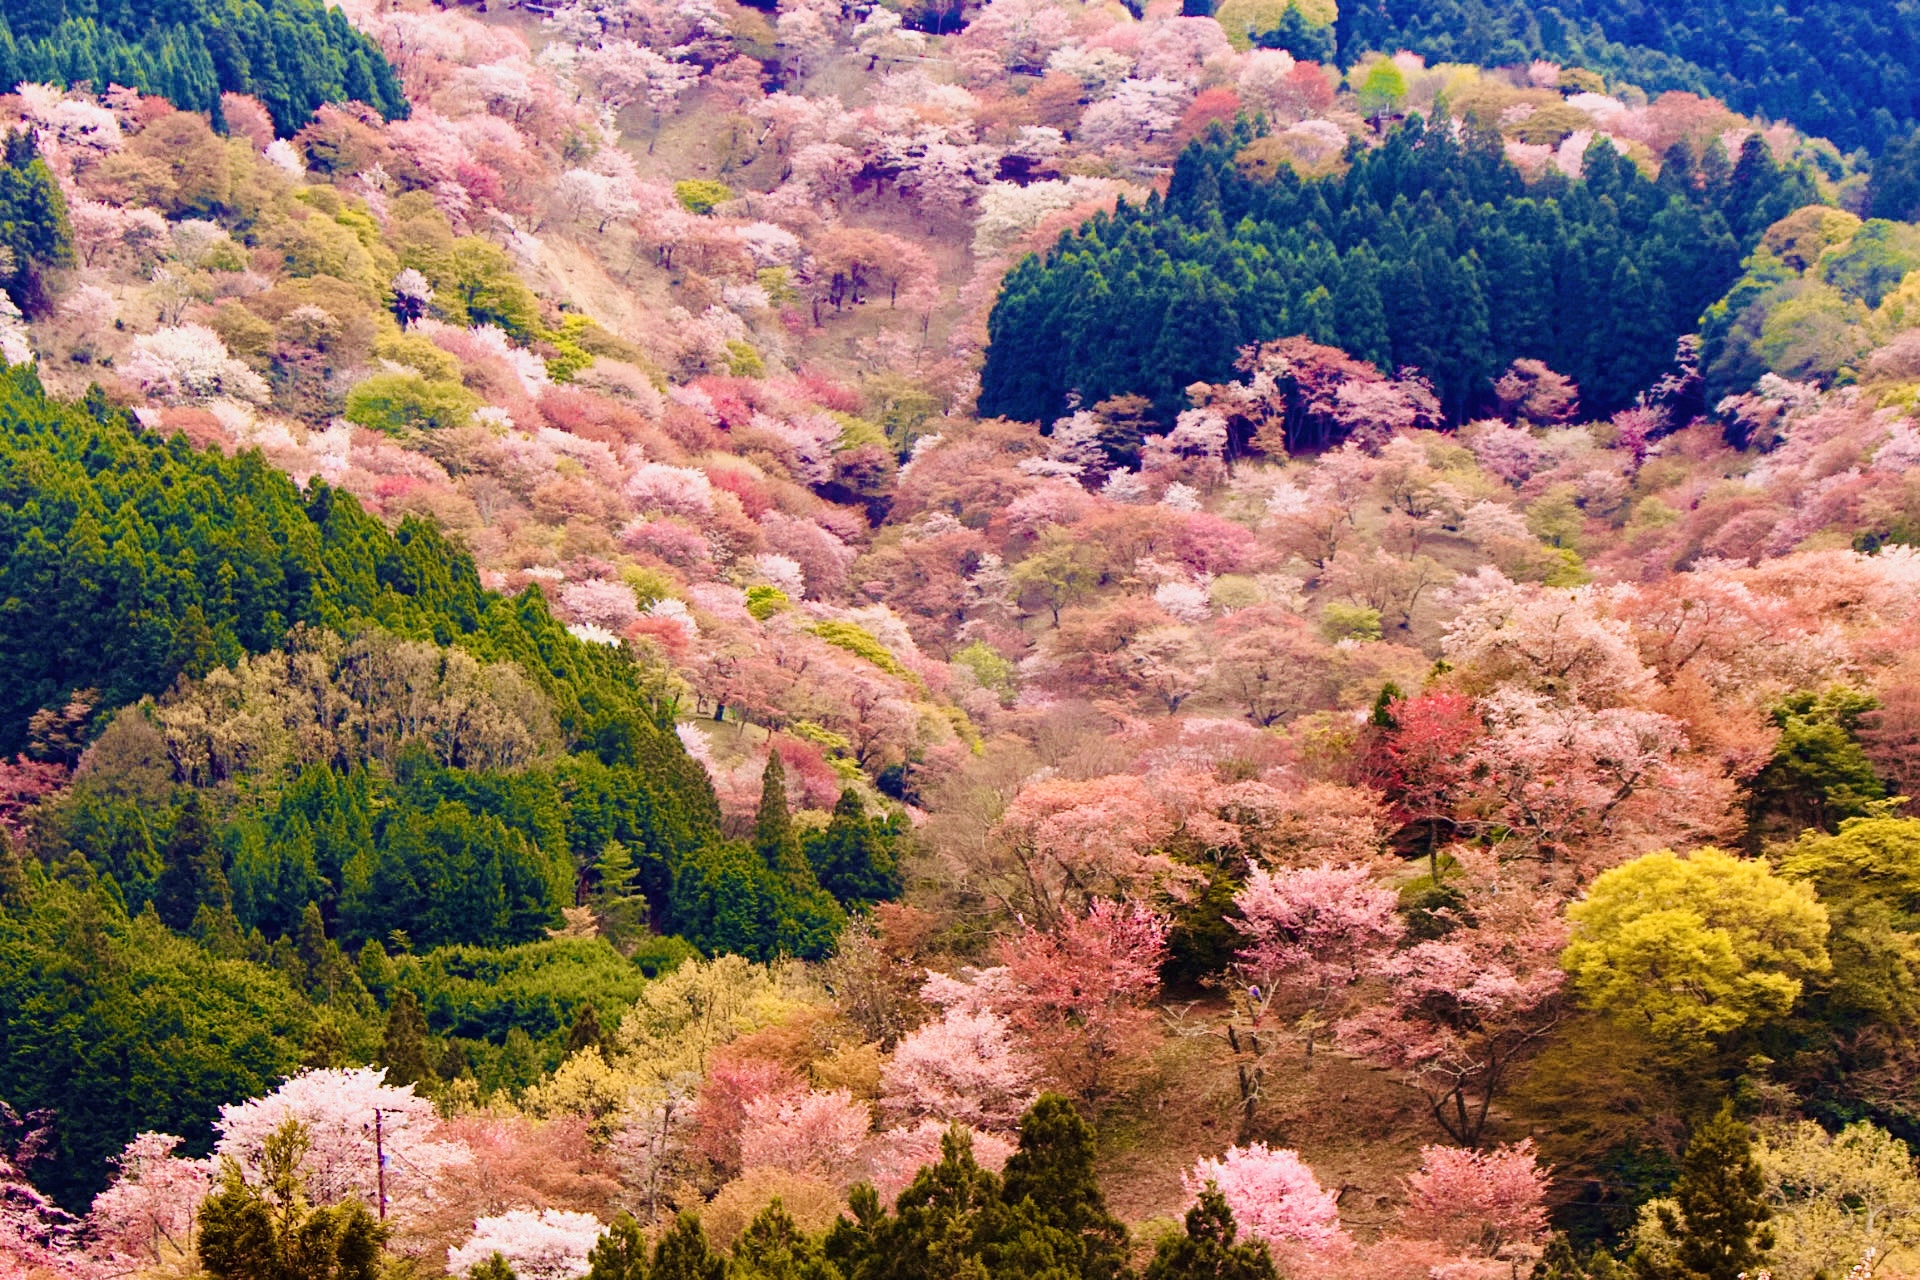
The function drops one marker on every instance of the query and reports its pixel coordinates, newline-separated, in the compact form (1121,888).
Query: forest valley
(692,640)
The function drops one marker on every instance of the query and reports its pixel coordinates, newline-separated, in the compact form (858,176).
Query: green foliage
(858,641)
(34,231)
(121,1025)
(994,673)
(1047,1219)
(1468,266)
(684,1254)
(397,403)
(700,195)
(493,1268)
(293,55)
(403,1049)
(620,1253)
(853,857)
(1715,1217)
(1819,775)
(1382,89)
(1207,1250)
(774,1248)
(1690,949)
(764,601)
(1868,876)
(1340,620)
(271,1232)
(1837,70)
(481,993)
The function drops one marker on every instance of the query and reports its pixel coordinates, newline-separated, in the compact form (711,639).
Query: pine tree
(191,874)
(1719,1207)
(850,858)
(684,1254)
(620,1253)
(586,1032)
(1053,1170)
(403,1050)
(773,837)
(1207,1251)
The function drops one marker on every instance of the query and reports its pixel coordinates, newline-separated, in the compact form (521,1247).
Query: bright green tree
(1690,949)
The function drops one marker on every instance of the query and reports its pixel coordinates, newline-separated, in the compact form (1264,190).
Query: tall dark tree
(1207,1250)
(403,1048)
(1719,1207)
(684,1254)
(191,874)
(851,858)
(620,1253)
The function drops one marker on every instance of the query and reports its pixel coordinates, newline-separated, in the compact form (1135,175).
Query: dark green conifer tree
(1719,1207)
(1207,1251)
(403,1049)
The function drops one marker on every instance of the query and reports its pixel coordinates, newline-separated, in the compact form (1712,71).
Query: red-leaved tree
(1079,993)
(1480,1201)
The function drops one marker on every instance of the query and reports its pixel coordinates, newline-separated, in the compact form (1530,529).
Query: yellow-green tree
(1692,948)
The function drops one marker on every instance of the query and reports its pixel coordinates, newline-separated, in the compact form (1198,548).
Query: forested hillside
(1011,639)
(1429,253)
(1843,71)
(292,55)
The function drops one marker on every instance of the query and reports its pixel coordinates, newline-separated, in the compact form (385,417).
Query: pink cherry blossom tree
(1460,1011)
(964,1066)
(1312,933)
(818,1132)
(148,1210)
(1274,1197)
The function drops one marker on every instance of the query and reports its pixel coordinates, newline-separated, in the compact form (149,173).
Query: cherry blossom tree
(337,1106)
(1069,841)
(543,1244)
(35,1233)
(1079,994)
(819,1132)
(1478,1200)
(1313,932)
(149,1208)
(964,1066)
(1460,1011)
(189,362)
(1274,1197)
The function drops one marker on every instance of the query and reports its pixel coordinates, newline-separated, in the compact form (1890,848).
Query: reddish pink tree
(1079,993)
(1313,932)
(734,1084)
(1423,760)
(1478,1200)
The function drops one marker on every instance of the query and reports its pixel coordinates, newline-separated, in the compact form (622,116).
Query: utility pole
(380,1162)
